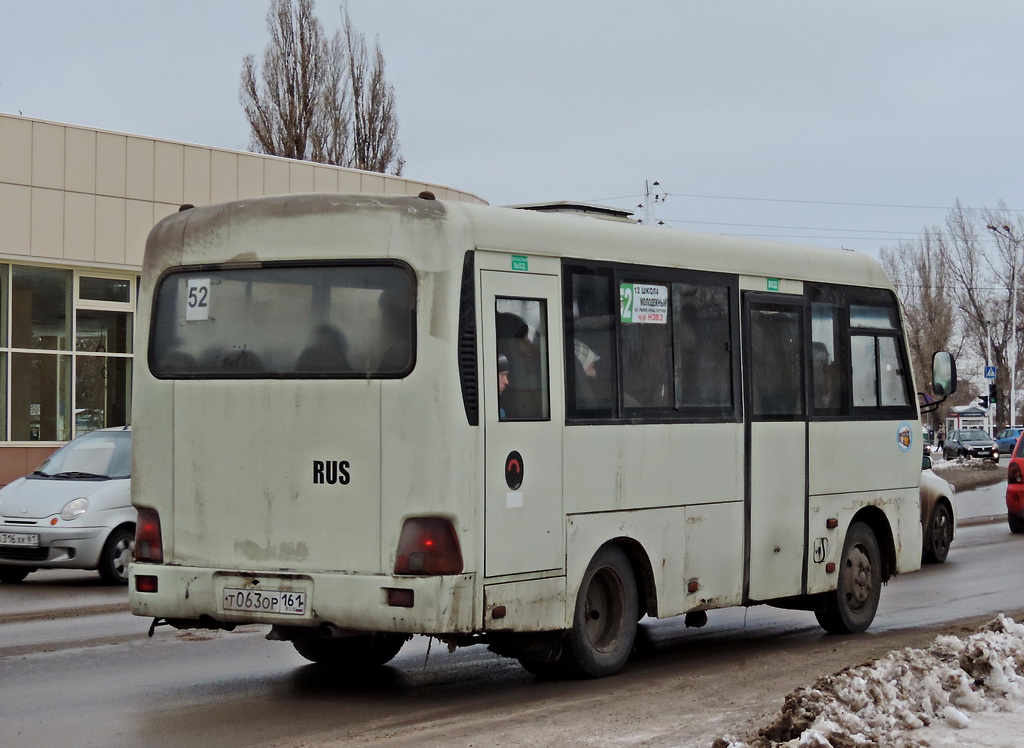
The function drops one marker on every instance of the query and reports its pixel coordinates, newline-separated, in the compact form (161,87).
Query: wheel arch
(643,573)
(878,521)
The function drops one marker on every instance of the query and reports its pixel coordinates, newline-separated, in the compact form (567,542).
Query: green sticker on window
(773,284)
(520,262)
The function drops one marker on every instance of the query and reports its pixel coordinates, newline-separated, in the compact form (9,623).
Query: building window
(65,352)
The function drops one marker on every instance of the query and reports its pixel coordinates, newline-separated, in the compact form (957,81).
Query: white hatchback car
(74,512)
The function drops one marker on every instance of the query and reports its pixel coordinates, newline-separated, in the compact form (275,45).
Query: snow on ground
(959,691)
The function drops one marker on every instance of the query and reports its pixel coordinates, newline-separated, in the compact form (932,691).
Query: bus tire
(939,535)
(604,623)
(1016,523)
(850,608)
(351,652)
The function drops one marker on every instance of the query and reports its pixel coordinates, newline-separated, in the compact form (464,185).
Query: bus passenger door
(776,446)
(523,414)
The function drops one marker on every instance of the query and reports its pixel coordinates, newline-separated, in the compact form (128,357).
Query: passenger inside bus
(524,396)
(502,384)
(327,352)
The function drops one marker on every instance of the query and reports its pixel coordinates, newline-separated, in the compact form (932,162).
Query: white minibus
(359,418)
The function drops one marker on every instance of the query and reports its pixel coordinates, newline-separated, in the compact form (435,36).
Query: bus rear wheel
(850,608)
(604,624)
(353,652)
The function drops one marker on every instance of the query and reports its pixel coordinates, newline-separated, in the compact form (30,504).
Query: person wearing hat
(502,382)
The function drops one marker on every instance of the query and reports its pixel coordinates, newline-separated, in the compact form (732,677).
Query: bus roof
(492,228)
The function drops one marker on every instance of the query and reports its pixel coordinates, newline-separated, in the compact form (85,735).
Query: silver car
(74,512)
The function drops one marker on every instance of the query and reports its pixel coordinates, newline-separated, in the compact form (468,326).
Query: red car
(1015,489)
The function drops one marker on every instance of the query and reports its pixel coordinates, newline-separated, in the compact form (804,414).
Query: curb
(56,613)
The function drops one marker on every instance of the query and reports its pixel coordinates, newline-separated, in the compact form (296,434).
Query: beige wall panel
(138,221)
(110,229)
(223,176)
(139,171)
(415,188)
(160,212)
(79,226)
(111,164)
(47,223)
(197,176)
(15,151)
(15,220)
(372,183)
(325,179)
(301,179)
(349,181)
(80,158)
(48,156)
(394,186)
(276,177)
(169,183)
(250,176)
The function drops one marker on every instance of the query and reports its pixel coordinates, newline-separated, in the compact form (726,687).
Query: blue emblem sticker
(904,436)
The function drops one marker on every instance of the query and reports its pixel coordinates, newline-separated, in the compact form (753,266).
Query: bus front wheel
(354,652)
(850,608)
(604,624)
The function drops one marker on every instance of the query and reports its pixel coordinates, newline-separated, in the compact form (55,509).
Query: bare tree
(923,281)
(320,98)
(374,120)
(956,285)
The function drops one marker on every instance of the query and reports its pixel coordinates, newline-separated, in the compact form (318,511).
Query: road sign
(990,372)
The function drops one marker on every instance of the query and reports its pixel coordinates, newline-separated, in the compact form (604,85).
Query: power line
(798,202)
(792,228)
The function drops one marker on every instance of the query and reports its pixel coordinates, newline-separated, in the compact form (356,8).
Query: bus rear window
(279,321)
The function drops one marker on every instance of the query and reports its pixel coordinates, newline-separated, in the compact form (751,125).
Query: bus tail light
(149,544)
(1013,474)
(428,545)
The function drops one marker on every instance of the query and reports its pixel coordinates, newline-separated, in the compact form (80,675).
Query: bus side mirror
(943,374)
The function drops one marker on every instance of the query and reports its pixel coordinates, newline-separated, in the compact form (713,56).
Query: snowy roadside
(959,691)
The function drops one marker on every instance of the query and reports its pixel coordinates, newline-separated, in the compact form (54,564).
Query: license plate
(28,540)
(265,601)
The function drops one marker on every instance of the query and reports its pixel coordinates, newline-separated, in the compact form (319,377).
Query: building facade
(76,205)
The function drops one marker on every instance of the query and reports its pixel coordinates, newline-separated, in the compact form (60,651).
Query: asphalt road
(77,669)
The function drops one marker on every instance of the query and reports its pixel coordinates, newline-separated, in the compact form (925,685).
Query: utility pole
(1007,232)
(653,195)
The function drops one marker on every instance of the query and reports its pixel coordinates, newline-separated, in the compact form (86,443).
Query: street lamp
(1007,232)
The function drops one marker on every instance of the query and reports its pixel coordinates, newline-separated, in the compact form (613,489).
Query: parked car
(1015,489)
(1006,440)
(970,443)
(74,512)
(938,515)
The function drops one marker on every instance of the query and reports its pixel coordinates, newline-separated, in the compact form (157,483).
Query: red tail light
(1013,474)
(428,546)
(149,544)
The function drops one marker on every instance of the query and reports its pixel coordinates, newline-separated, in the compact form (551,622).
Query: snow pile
(884,701)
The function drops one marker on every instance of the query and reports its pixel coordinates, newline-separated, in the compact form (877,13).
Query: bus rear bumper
(210,598)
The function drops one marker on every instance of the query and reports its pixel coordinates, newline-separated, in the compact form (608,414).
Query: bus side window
(775,362)
(590,359)
(879,375)
(827,380)
(521,333)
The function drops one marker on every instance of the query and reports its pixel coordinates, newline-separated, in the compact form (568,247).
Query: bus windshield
(276,321)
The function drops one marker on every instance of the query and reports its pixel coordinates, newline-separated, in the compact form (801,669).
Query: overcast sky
(838,123)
